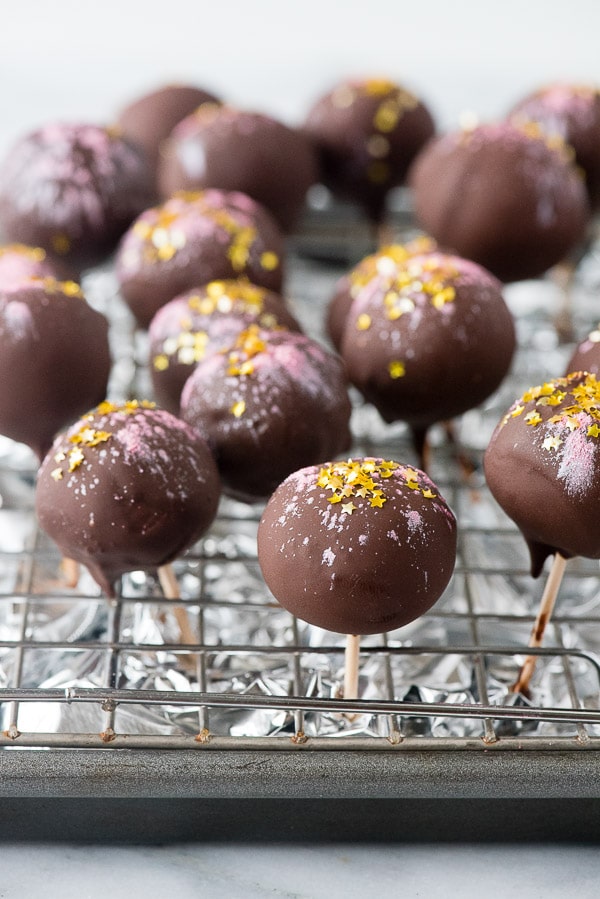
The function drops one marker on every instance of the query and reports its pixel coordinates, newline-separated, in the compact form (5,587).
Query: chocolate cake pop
(18,263)
(127,487)
(383,262)
(586,355)
(149,119)
(507,197)
(54,359)
(192,239)
(232,149)
(366,134)
(571,112)
(276,401)
(357,547)
(73,190)
(429,340)
(542,466)
(203,321)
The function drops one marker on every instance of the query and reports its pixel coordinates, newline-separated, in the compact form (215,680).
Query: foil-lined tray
(78,671)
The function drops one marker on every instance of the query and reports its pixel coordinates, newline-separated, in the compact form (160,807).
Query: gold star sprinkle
(76,457)
(533,418)
(396,369)
(593,430)
(60,244)
(238,408)
(161,362)
(363,322)
(348,508)
(551,443)
(377,501)
(323,480)
(428,493)
(56,474)
(269,260)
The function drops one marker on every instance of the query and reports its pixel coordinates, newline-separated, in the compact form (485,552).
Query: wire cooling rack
(80,671)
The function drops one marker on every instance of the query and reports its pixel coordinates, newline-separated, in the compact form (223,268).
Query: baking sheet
(122,708)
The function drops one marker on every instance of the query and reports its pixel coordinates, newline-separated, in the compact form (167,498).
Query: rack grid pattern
(139,685)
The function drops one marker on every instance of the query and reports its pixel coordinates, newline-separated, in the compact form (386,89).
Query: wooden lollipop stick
(385,235)
(543,617)
(170,588)
(351,666)
(564,276)
(70,570)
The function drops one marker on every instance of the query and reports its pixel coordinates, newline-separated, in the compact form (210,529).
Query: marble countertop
(435,871)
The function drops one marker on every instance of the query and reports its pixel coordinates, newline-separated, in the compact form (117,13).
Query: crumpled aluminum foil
(52,636)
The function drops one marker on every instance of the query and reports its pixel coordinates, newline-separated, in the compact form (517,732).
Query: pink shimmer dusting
(577,463)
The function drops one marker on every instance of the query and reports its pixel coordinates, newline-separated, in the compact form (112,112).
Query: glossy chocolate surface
(504,196)
(366,134)
(357,547)
(204,321)
(192,239)
(126,487)
(275,402)
(543,467)
(54,359)
(73,190)
(232,149)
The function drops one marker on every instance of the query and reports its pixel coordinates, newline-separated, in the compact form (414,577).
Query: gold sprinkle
(397,369)
(60,457)
(552,443)
(428,493)
(377,501)
(533,418)
(71,288)
(57,474)
(161,362)
(447,295)
(363,322)
(387,116)
(348,508)
(60,244)
(269,260)
(377,87)
(76,457)
(518,410)
(593,430)
(336,498)
(238,408)
(166,252)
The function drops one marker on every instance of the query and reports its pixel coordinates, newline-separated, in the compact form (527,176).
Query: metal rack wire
(479,641)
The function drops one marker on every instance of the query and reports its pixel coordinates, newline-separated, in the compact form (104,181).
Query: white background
(74,59)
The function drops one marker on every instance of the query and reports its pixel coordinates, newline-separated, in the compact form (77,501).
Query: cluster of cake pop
(422,330)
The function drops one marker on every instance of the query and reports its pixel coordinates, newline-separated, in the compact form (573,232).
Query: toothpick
(351,666)
(543,617)
(170,588)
